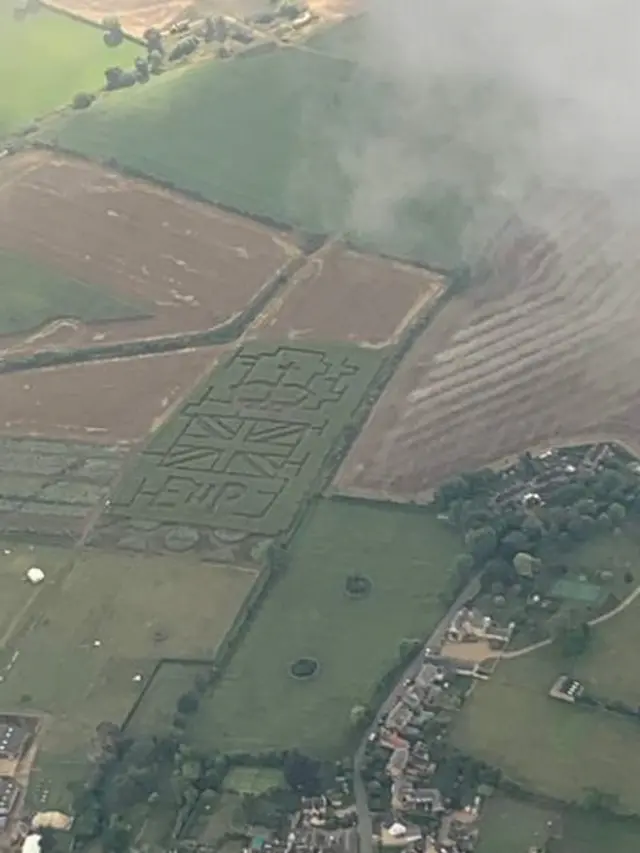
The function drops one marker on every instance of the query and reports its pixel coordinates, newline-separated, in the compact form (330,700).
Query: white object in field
(137,677)
(97,644)
(35,575)
(31,844)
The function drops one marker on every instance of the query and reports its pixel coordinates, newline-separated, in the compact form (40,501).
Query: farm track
(554,356)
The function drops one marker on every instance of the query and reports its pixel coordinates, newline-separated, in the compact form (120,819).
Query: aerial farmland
(301,370)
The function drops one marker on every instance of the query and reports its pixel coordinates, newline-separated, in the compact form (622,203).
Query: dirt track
(341,295)
(104,401)
(548,349)
(193,265)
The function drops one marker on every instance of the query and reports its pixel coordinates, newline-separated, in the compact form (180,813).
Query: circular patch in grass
(304,668)
(181,539)
(357,586)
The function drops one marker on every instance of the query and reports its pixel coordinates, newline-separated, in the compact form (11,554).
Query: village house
(399,717)
(398,762)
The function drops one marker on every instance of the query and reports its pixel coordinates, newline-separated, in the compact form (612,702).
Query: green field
(253,780)
(247,448)
(312,140)
(511,826)
(157,709)
(514,826)
(81,641)
(257,705)
(33,295)
(49,58)
(549,746)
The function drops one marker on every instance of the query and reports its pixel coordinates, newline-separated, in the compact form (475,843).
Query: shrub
(82,100)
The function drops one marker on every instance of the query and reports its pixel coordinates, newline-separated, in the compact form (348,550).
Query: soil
(195,266)
(103,401)
(135,16)
(547,349)
(342,295)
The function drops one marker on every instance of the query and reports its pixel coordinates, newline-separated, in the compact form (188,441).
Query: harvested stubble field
(232,468)
(405,553)
(545,351)
(52,488)
(193,267)
(549,746)
(342,295)
(114,401)
(135,16)
(107,619)
(48,58)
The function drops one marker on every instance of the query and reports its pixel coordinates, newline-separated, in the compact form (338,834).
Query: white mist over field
(489,99)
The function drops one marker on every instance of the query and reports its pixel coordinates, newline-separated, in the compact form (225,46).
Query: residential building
(9,791)
(13,741)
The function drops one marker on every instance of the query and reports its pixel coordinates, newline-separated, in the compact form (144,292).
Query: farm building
(566,689)
(13,741)
(9,790)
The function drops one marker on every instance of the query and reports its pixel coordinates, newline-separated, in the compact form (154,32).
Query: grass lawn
(585,833)
(139,610)
(544,744)
(49,58)
(157,709)
(405,553)
(32,295)
(314,141)
(511,826)
(253,780)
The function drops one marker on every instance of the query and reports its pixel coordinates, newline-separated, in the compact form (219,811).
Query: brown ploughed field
(546,350)
(195,266)
(135,16)
(102,401)
(342,295)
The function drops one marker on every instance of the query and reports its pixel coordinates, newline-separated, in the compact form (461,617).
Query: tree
(573,640)
(358,716)
(302,773)
(155,62)
(482,542)
(463,565)
(142,69)
(514,542)
(188,703)
(116,839)
(153,40)
(524,564)
(114,35)
(408,647)
(617,514)
(82,100)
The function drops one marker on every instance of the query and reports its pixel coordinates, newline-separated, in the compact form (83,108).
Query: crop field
(571,750)
(50,488)
(291,146)
(406,554)
(49,58)
(135,16)
(107,402)
(194,267)
(342,295)
(76,656)
(230,470)
(33,294)
(553,359)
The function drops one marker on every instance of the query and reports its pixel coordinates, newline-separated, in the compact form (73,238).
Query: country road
(365,825)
